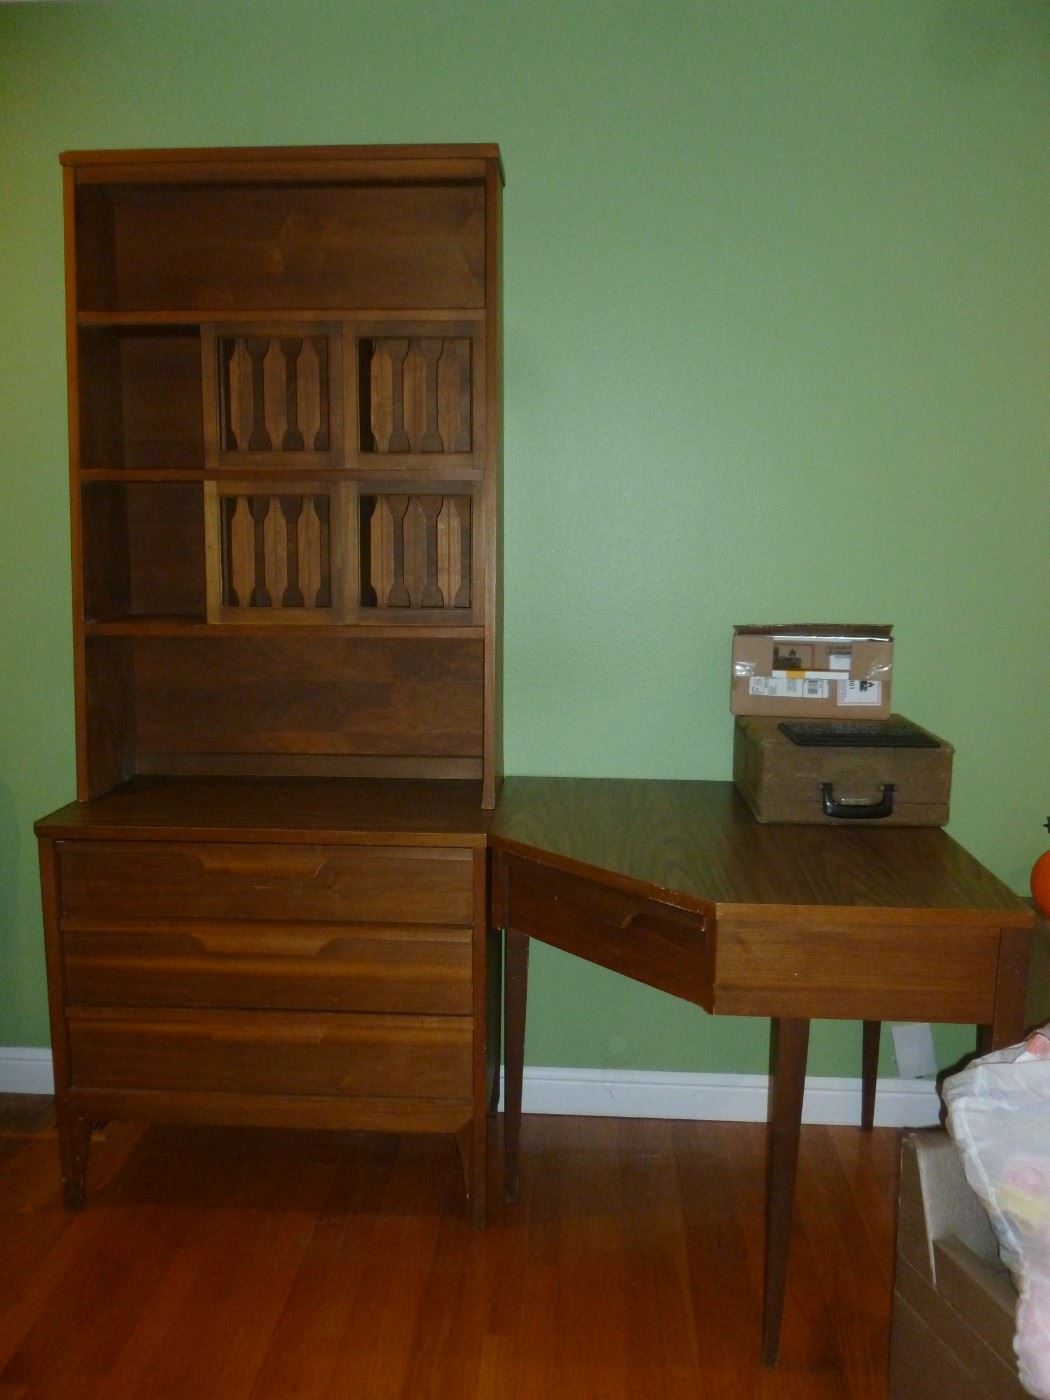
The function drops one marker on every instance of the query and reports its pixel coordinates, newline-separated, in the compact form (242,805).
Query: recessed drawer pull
(677,920)
(272,863)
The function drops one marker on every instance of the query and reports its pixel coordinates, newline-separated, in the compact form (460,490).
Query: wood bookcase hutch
(267,904)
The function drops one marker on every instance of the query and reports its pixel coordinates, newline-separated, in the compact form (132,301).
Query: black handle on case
(857,811)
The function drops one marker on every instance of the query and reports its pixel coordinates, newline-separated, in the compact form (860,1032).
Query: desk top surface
(696,844)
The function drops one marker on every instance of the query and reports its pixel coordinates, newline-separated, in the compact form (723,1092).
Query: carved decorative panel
(275,554)
(417,552)
(274,396)
(416,393)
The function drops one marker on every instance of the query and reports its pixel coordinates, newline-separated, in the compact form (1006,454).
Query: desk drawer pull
(856,811)
(655,917)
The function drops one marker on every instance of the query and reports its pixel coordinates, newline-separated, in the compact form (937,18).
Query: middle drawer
(309,967)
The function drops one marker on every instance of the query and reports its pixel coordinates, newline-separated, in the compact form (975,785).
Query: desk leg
(1011,987)
(515,996)
(788,1050)
(869,1072)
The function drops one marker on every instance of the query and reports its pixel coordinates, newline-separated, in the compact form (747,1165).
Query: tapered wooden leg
(869,1073)
(74,1138)
(478,1177)
(789,1047)
(471,1142)
(515,996)
(464,1137)
(493,1018)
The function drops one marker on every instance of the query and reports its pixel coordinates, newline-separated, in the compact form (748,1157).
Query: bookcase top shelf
(222,163)
(385,473)
(184,317)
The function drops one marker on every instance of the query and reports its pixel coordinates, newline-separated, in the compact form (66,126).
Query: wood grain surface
(215,1263)
(333,810)
(697,845)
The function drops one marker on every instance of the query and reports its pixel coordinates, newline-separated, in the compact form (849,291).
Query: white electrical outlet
(913,1047)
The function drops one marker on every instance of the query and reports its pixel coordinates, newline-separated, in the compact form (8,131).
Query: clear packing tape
(876,670)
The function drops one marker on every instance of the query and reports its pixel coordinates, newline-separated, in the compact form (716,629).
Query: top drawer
(227,880)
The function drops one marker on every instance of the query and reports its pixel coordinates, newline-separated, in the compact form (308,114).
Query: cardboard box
(812,670)
(954,1303)
(782,781)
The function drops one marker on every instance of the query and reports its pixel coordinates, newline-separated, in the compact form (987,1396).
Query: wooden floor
(250,1263)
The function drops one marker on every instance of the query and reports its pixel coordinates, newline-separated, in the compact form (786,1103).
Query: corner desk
(325,953)
(675,884)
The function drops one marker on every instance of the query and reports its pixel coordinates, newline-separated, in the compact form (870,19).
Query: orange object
(1041,884)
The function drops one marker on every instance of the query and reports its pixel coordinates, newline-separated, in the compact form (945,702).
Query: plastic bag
(999,1116)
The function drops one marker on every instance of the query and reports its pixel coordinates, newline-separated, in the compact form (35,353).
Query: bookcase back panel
(141,395)
(106,723)
(284,246)
(147,550)
(297,693)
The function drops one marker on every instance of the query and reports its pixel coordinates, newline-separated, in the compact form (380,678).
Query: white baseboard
(598,1093)
(24,1070)
(740,1098)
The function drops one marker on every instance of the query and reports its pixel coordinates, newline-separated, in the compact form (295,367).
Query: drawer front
(642,938)
(870,968)
(215,1052)
(128,880)
(416,968)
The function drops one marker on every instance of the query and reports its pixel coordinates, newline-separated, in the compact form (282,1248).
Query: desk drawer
(129,880)
(415,968)
(641,937)
(260,1052)
(862,964)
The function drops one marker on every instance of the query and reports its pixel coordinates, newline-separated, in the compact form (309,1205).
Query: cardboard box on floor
(812,670)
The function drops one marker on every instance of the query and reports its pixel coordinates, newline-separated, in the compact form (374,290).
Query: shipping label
(790,688)
(860,692)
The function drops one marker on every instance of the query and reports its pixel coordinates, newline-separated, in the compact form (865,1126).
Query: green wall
(777,345)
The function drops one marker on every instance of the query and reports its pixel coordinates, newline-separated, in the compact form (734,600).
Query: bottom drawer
(265,1052)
